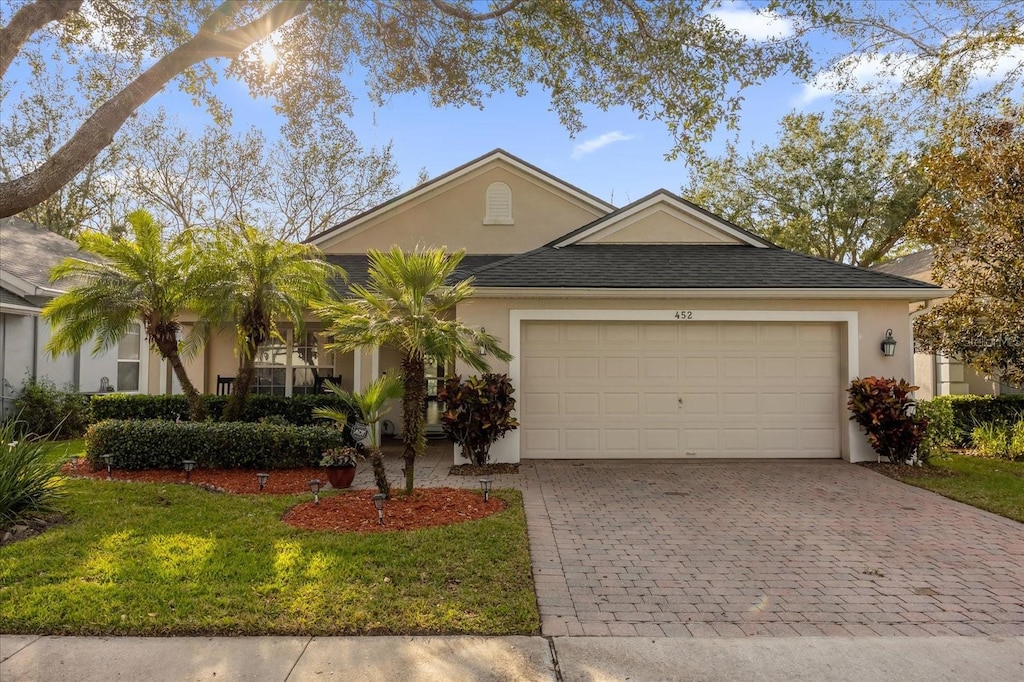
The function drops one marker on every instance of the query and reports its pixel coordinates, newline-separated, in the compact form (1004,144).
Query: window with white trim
(129,359)
(499,204)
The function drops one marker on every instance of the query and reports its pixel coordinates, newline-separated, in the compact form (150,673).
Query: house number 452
(684,314)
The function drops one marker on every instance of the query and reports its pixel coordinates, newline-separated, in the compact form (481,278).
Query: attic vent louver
(499,204)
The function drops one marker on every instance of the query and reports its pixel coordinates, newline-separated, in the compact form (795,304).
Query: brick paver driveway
(763,548)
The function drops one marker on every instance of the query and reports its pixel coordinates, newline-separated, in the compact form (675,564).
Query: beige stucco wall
(658,225)
(872,318)
(452,215)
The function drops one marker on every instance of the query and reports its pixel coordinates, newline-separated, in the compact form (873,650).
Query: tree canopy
(975,222)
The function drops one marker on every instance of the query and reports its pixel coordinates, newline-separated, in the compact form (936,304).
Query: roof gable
(661,218)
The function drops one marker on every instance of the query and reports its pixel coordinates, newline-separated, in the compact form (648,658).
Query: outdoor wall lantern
(888,344)
(314,487)
(189,465)
(485,485)
(481,349)
(107,459)
(262,478)
(378,502)
(910,409)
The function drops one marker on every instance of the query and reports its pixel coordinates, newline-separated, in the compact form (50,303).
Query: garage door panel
(609,389)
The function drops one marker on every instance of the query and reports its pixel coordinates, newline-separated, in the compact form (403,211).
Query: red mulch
(239,481)
(425,508)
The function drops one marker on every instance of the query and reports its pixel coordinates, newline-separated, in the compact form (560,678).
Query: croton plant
(880,407)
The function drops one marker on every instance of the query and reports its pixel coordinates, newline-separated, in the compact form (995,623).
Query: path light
(189,465)
(378,502)
(261,478)
(314,487)
(485,485)
(888,344)
(107,459)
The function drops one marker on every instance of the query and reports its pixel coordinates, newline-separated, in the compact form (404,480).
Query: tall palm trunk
(235,408)
(413,414)
(196,406)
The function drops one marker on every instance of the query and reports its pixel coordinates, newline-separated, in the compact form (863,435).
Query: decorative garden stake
(108,458)
(261,478)
(378,502)
(189,465)
(485,485)
(314,487)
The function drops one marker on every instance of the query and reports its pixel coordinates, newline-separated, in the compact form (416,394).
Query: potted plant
(341,466)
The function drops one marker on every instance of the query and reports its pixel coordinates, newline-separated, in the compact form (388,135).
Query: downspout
(934,364)
(35,347)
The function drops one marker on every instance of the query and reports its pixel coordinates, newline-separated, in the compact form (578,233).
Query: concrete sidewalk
(597,659)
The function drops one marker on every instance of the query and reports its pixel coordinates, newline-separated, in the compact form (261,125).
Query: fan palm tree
(139,278)
(369,405)
(252,281)
(408,305)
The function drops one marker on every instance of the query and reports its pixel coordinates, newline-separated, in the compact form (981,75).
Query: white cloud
(592,145)
(757,25)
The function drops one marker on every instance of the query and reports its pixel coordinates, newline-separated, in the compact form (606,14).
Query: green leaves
(478,411)
(879,407)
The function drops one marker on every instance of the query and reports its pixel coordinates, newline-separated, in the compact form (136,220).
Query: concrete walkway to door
(673,548)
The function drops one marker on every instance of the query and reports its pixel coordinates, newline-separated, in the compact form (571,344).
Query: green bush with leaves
(162,444)
(297,410)
(1000,440)
(970,411)
(478,411)
(879,406)
(30,480)
(941,434)
(46,410)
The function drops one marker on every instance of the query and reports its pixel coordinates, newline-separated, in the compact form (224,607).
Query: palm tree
(369,405)
(407,305)
(252,280)
(141,278)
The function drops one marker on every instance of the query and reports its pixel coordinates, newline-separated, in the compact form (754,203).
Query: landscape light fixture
(378,502)
(314,487)
(107,459)
(189,465)
(888,344)
(485,485)
(910,409)
(261,478)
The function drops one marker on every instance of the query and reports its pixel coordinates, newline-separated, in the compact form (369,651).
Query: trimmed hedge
(970,411)
(296,410)
(162,444)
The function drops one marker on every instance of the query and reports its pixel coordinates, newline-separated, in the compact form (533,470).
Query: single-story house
(655,329)
(27,254)
(937,374)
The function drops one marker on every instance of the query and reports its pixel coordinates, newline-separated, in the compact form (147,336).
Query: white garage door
(692,389)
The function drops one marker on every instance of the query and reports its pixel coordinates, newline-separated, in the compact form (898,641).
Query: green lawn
(150,559)
(992,484)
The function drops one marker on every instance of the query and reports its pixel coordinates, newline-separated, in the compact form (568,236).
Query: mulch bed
(899,471)
(29,527)
(474,470)
(425,508)
(238,481)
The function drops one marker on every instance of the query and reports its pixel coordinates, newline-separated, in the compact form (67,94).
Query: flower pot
(341,477)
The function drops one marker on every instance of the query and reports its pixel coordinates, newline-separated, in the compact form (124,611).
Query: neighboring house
(652,330)
(937,374)
(27,254)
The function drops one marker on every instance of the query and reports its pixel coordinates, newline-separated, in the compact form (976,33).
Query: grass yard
(992,484)
(151,559)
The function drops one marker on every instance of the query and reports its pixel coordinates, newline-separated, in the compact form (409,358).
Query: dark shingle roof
(30,252)
(682,266)
(910,265)
(11,298)
(356,267)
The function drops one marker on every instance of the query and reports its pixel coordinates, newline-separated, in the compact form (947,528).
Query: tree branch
(98,130)
(467,15)
(26,21)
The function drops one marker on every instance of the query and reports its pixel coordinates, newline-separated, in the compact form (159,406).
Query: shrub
(970,411)
(297,410)
(30,481)
(478,411)
(1004,441)
(162,444)
(941,434)
(44,409)
(879,407)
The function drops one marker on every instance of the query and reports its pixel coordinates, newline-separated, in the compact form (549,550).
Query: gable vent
(499,204)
